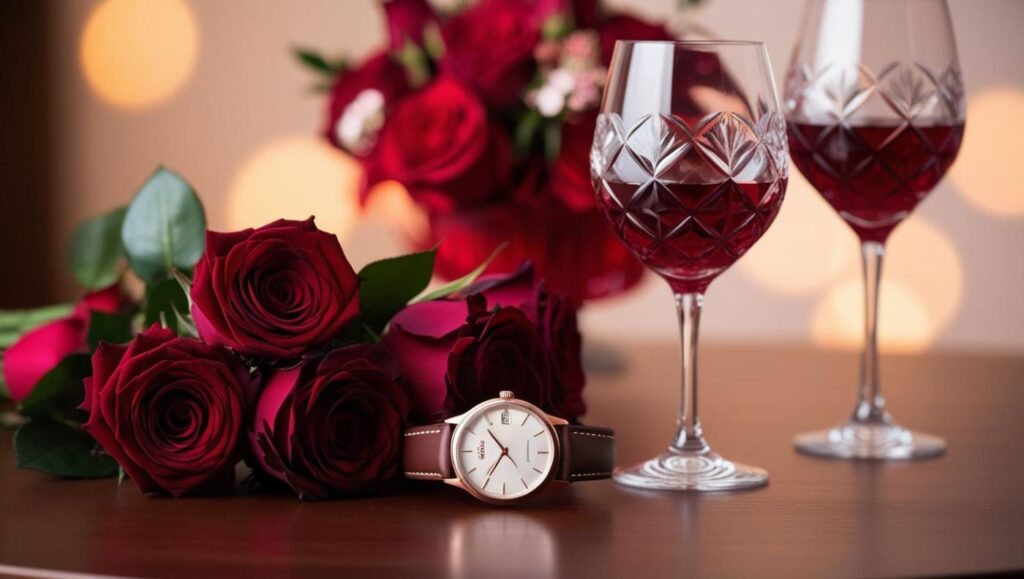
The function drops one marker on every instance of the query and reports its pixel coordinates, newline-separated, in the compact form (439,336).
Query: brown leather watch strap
(427,452)
(587,452)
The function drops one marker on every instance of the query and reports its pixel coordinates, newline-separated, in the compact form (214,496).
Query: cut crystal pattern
(690,197)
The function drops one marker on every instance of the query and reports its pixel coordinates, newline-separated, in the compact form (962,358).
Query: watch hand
(502,446)
(495,465)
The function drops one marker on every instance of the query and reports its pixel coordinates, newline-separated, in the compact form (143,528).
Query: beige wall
(246,92)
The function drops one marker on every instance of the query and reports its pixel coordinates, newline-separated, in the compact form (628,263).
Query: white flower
(362,119)
(550,101)
(562,80)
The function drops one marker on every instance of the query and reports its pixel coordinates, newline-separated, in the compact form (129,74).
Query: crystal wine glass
(875,113)
(689,165)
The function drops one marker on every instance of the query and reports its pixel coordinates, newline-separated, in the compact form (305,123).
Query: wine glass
(875,113)
(689,165)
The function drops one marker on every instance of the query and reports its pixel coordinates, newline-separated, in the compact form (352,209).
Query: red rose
(453,354)
(170,410)
(570,172)
(277,291)
(490,48)
(576,253)
(354,129)
(495,350)
(441,146)
(407,20)
(624,27)
(39,350)
(556,320)
(333,424)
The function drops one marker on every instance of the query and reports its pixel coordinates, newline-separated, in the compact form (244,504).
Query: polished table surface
(962,513)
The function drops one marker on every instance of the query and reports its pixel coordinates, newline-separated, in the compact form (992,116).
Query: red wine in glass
(874,173)
(690,232)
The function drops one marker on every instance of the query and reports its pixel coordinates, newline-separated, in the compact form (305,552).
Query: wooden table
(958,514)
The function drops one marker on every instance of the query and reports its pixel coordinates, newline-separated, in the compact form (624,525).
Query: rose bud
(490,46)
(278,291)
(439,143)
(40,349)
(407,19)
(455,355)
(332,425)
(170,410)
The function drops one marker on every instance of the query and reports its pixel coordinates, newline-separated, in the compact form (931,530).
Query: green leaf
(5,394)
(14,323)
(165,227)
(95,250)
(163,301)
(556,27)
(552,140)
(457,285)
(60,449)
(389,284)
(318,63)
(59,391)
(113,328)
(525,131)
(415,62)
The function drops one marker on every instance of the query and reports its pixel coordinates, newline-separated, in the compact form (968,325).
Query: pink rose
(40,350)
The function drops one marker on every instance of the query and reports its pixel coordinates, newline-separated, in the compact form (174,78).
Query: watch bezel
(460,422)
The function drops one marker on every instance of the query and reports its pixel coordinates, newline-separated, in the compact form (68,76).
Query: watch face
(503,450)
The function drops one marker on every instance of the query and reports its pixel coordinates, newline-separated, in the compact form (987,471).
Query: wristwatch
(504,451)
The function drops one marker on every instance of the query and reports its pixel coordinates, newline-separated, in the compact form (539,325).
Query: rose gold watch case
(549,424)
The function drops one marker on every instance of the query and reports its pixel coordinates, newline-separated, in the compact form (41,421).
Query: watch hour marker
(538,470)
(471,432)
(488,419)
(539,433)
(525,418)
(524,484)
(503,488)
(470,450)
(542,452)
(470,471)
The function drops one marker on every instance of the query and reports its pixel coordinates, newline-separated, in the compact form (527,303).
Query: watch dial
(504,451)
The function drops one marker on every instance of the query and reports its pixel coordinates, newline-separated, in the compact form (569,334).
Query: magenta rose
(490,48)
(40,350)
(439,143)
(332,425)
(278,291)
(170,410)
(455,356)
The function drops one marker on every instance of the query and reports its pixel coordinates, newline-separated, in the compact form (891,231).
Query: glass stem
(871,404)
(689,435)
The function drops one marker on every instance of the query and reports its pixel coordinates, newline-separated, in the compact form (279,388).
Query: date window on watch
(504,417)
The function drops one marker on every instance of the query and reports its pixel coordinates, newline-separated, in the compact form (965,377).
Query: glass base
(870,441)
(691,471)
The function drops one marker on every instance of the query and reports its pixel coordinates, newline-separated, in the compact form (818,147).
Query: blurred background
(99,92)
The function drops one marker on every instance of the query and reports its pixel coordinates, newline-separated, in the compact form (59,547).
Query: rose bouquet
(485,116)
(264,345)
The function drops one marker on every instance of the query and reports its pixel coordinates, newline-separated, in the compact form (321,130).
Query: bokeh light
(992,145)
(294,178)
(838,320)
(391,202)
(805,249)
(922,290)
(138,53)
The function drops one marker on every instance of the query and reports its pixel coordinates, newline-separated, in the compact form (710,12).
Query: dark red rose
(407,19)
(170,410)
(277,291)
(441,146)
(448,349)
(622,27)
(576,253)
(332,425)
(570,172)
(556,319)
(495,350)
(379,74)
(39,350)
(490,48)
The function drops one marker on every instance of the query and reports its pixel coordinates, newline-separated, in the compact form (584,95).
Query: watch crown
(504,394)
